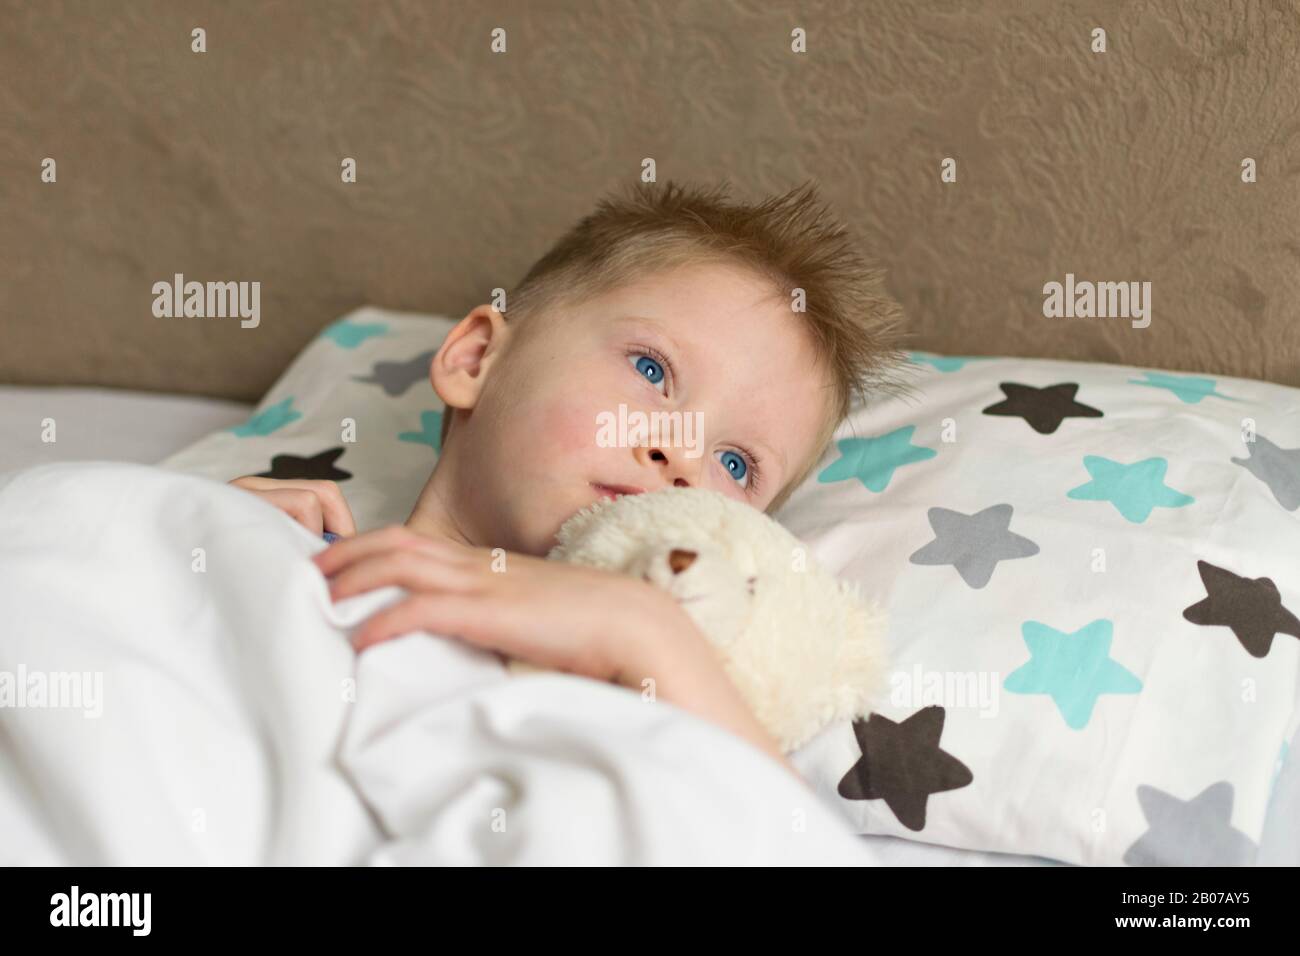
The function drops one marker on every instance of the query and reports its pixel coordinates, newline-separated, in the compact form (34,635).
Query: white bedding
(104,423)
(145,427)
(236,726)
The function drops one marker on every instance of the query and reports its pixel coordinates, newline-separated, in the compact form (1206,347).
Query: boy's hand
(558,616)
(565,617)
(317,505)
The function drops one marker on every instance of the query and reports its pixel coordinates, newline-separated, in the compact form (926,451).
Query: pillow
(356,406)
(1093,576)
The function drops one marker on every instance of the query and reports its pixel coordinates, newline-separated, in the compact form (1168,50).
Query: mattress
(117,425)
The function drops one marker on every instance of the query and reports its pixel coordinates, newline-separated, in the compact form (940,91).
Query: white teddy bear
(801,646)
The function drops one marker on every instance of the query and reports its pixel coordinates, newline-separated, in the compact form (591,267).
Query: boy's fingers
(444,615)
(258,483)
(338,516)
(416,573)
(328,512)
(302,506)
(344,552)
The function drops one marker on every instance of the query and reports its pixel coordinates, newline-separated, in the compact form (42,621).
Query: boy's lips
(613,491)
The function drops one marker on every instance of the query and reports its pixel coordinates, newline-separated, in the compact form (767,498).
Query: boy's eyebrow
(658,326)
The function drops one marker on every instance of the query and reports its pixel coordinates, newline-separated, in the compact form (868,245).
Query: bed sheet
(105,424)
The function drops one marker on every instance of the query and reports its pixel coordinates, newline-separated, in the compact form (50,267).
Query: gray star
(1279,468)
(397,377)
(973,544)
(1197,832)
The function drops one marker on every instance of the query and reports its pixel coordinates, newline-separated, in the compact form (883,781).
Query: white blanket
(177,688)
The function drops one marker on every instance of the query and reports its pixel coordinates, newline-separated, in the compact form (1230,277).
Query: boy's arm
(688,674)
(565,617)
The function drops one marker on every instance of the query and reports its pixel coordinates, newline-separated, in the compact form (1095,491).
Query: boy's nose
(672,464)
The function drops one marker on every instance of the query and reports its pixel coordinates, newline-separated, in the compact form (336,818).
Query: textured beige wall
(225,165)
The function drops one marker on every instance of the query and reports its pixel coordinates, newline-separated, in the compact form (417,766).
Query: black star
(317,466)
(902,764)
(1043,408)
(1252,607)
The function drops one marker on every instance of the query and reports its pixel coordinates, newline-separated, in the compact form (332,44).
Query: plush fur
(803,647)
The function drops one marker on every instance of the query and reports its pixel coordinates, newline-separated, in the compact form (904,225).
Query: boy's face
(546,436)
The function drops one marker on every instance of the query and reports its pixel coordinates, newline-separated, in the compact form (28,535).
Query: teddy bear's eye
(750,582)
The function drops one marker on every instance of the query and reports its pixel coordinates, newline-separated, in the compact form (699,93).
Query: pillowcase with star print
(1093,576)
(356,406)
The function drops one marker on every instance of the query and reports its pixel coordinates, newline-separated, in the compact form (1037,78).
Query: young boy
(762,321)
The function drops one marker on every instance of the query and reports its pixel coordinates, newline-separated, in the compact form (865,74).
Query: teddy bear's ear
(679,559)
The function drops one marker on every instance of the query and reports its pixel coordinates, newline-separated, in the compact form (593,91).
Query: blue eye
(735,465)
(652,370)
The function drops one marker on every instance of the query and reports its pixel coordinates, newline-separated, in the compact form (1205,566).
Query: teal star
(430,432)
(944,363)
(1074,669)
(1135,490)
(268,420)
(1189,388)
(873,460)
(349,335)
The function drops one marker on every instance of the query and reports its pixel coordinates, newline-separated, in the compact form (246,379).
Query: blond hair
(792,240)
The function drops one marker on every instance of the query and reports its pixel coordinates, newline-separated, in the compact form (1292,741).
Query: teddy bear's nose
(679,559)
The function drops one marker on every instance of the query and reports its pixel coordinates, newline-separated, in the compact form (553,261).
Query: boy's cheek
(569,428)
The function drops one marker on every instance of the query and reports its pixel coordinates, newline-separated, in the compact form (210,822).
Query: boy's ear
(467,354)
